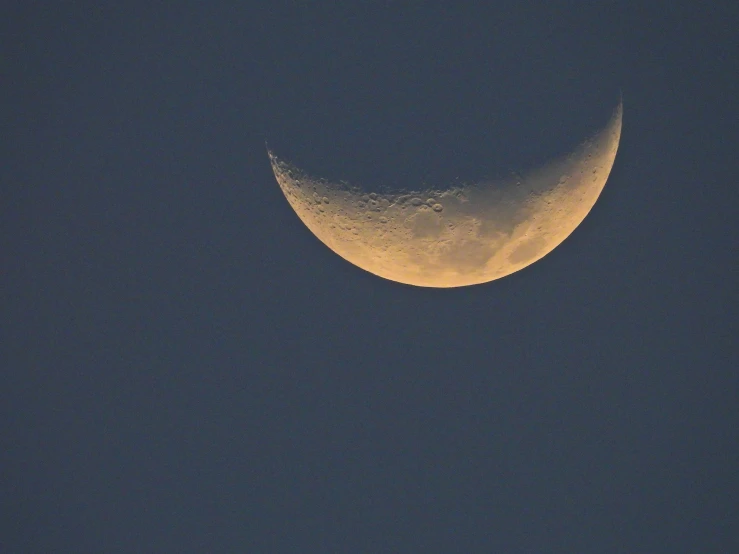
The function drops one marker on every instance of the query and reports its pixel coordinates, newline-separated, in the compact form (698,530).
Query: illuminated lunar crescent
(461,235)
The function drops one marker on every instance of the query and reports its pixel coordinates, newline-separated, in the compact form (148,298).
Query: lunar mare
(460,235)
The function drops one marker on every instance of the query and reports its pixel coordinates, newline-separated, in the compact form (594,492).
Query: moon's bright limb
(462,235)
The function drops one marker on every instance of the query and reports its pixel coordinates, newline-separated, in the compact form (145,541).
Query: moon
(460,235)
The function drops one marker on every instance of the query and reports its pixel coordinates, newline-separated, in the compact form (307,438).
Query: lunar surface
(462,234)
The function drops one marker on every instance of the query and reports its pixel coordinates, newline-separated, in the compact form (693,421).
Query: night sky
(186,368)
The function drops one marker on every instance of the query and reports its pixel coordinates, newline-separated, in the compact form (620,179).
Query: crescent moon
(460,235)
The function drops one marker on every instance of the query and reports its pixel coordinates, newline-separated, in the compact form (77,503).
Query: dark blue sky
(186,368)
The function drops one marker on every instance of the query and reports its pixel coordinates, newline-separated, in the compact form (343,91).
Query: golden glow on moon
(463,235)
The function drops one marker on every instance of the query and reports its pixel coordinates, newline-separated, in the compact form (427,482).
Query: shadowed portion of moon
(460,235)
